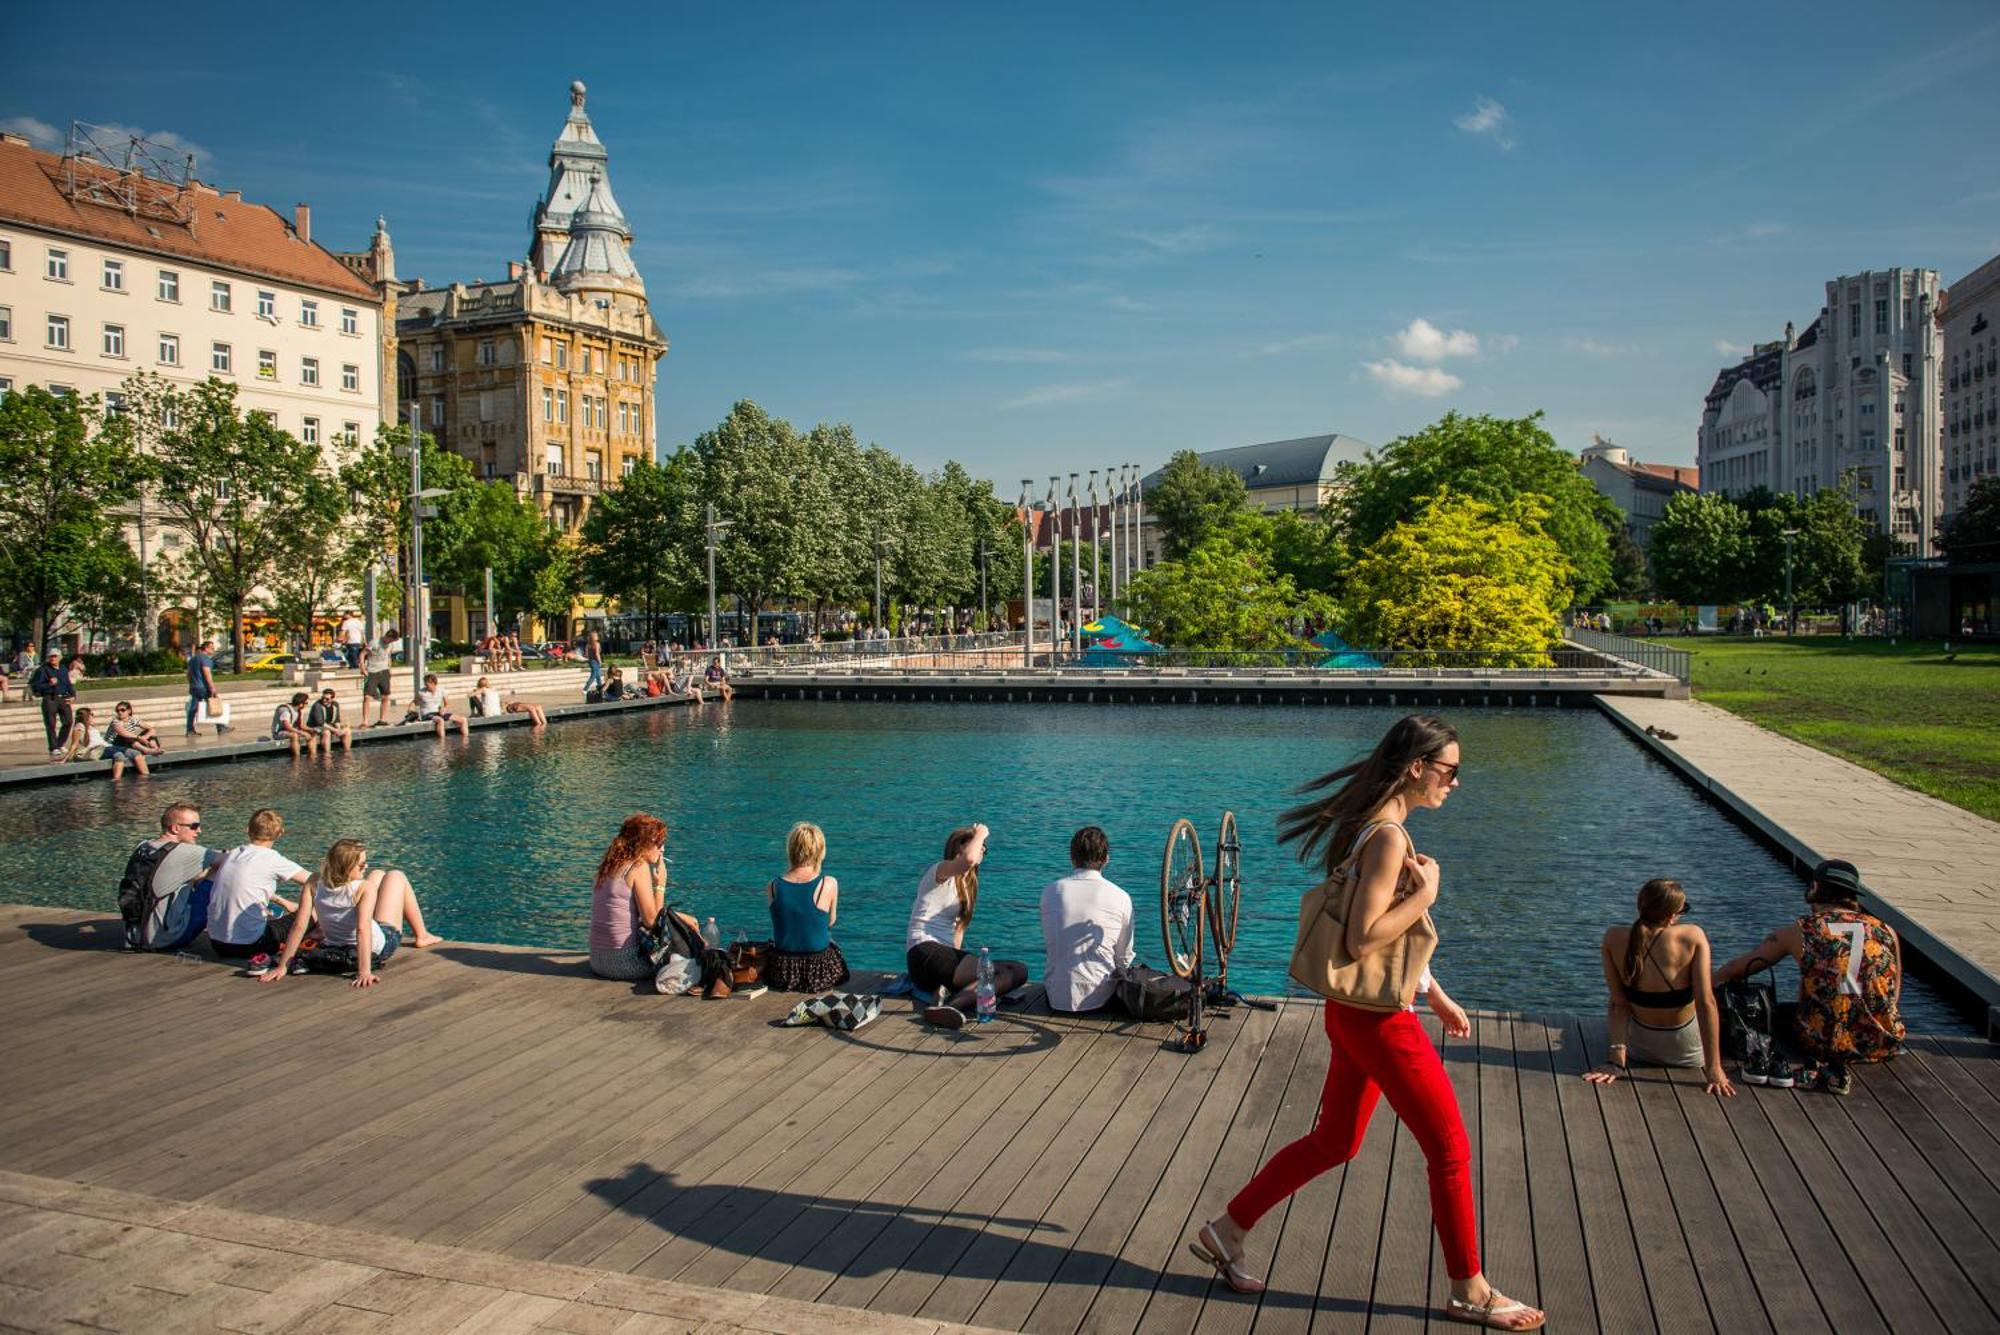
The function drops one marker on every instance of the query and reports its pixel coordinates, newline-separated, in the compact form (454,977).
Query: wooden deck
(1040,1175)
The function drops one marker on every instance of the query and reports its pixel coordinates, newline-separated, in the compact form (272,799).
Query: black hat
(1839,876)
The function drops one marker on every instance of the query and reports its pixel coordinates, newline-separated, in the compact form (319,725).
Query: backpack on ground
(1749,1008)
(1148,994)
(155,921)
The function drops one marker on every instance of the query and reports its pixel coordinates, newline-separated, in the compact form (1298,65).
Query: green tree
(1309,548)
(489,526)
(1701,549)
(1492,459)
(762,479)
(65,476)
(1191,501)
(1825,550)
(1974,531)
(315,559)
(642,538)
(1223,595)
(233,484)
(1629,575)
(559,580)
(1463,575)
(377,481)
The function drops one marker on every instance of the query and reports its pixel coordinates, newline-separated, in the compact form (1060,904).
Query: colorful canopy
(1344,654)
(1110,641)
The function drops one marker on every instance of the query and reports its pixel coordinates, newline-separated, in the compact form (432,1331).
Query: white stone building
(1852,404)
(1972,382)
(1639,490)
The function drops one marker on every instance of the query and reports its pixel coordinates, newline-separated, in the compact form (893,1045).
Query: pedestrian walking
(50,683)
(201,685)
(1371,973)
(593,656)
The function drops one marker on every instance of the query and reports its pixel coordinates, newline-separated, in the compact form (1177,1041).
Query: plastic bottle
(711,933)
(988,1001)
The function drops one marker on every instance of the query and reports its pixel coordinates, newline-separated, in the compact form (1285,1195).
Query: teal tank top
(798,926)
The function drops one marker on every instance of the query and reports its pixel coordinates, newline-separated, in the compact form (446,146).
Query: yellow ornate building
(545,379)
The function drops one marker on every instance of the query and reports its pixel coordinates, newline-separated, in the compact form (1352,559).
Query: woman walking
(1381,1052)
(805,902)
(936,957)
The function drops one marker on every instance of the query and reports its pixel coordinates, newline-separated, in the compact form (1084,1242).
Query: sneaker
(1809,1074)
(299,966)
(1839,1080)
(259,966)
(944,1017)
(1782,1076)
(1756,1069)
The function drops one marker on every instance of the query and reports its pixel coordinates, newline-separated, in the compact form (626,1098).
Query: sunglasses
(188,824)
(1450,771)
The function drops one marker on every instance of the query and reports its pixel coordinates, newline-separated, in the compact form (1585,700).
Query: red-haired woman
(630,891)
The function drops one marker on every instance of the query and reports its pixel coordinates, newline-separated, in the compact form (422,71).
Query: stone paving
(1933,868)
(76,1257)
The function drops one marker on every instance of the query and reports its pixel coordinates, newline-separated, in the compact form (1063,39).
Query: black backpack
(154,921)
(1749,1008)
(1148,994)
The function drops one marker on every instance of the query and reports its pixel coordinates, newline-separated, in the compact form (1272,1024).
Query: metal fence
(1345,662)
(1646,654)
(986,649)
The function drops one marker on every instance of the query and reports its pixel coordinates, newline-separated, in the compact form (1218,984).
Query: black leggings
(936,967)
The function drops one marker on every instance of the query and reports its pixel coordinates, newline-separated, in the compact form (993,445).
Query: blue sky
(1043,237)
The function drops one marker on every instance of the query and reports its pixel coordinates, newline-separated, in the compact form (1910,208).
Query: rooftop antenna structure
(125,171)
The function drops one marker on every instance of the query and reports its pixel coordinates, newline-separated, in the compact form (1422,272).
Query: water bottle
(987,1000)
(711,933)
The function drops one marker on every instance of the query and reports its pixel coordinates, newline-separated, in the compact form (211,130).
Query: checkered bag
(845,1011)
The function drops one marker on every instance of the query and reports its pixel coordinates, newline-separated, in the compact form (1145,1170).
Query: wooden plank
(1461,1057)
(1977,1141)
(1399,1303)
(1561,1275)
(1664,1248)
(1978,1059)
(1958,1077)
(1762,1254)
(1506,1216)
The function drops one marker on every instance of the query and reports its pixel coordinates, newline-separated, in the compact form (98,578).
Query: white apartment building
(1972,382)
(1853,404)
(104,273)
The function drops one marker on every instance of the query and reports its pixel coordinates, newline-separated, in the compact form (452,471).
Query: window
(6,385)
(267,305)
(588,361)
(114,403)
(350,377)
(626,465)
(309,430)
(1881,315)
(114,340)
(59,332)
(1906,363)
(486,355)
(562,356)
(547,356)
(437,410)
(1867,407)
(170,285)
(267,364)
(58,265)
(562,406)
(218,296)
(552,462)
(6,324)
(114,275)
(6,259)
(437,357)
(548,404)
(1854,319)
(593,466)
(1899,440)
(170,349)
(308,370)
(351,432)
(309,313)
(624,410)
(218,358)
(350,320)
(603,413)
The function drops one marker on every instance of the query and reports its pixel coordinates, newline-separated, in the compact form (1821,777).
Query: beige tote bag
(1385,980)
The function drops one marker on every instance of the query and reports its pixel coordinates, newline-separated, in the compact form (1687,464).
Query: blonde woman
(1663,1010)
(486,703)
(936,956)
(804,904)
(343,896)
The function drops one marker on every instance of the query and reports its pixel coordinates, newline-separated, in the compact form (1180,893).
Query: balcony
(558,484)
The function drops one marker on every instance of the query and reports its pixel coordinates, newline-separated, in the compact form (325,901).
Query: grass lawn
(1901,710)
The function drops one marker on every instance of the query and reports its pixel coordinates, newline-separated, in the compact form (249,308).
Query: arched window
(1804,385)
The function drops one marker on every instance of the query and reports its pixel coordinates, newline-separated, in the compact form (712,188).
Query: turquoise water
(1558,820)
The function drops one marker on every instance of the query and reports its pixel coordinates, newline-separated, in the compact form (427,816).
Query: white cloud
(1070,392)
(1014,356)
(39,133)
(1591,347)
(1284,346)
(1728,349)
(1427,382)
(1489,118)
(1423,341)
(797,279)
(1180,241)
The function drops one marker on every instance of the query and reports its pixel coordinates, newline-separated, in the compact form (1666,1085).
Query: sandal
(1497,1304)
(1209,1248)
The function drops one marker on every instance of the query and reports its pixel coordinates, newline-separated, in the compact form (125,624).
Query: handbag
(1149,994)
(1748,1011)
(1383,980)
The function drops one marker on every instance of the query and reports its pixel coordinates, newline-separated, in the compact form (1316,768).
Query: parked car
(322,658)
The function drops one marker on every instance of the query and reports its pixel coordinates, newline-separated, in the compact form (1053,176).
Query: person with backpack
(51,684)
(163,895)
(1850,986)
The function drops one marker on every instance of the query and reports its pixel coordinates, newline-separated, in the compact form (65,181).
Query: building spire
(576,154)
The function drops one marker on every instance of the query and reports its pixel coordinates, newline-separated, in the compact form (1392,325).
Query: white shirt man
(1086,928)
(352,631)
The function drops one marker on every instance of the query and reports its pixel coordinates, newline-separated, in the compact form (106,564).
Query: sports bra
(1666,999)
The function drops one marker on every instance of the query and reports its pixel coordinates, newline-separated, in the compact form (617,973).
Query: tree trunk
(236,631)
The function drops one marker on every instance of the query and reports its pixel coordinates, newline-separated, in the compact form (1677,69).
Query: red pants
(1375,1053)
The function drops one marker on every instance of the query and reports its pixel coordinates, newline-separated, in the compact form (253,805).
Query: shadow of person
(90,934)
(546,963)
(836,1235)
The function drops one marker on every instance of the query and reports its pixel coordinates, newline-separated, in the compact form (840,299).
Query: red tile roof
(1687,477)
(224,233)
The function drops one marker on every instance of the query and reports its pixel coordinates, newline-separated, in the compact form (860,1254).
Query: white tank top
(934,916)
(334,906)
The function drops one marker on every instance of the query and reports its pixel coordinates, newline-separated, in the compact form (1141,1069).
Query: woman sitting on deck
(937,959)
(629,895)
(344,895)
(1662,1004)
(804,904)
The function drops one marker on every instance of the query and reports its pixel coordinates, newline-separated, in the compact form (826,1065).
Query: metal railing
(984,649)
(1645,654)
(1320,662)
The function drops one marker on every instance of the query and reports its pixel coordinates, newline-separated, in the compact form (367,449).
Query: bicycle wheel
(1183,898)
(1226,887)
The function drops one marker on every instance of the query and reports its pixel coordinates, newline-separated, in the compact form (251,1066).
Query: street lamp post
(1111,495)
(1027,576)
(1138,519)
(419,622)
(1055,569)
(1096,546)
(985,618)
(1075,569)
(878,574)
(712,528)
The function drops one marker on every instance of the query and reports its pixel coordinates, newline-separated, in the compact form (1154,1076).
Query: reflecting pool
(1557,822)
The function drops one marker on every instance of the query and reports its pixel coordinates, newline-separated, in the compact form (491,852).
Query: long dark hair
(1659,900)
(1325,828)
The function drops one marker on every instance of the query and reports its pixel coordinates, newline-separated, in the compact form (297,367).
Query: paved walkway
(492,1127)
(93,1258)
(1932,868)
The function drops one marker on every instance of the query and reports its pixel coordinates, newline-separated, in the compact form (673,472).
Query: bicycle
(1199,908)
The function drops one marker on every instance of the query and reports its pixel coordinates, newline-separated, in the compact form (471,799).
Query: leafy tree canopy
(1974,531)
(1701,549)
(65,473)
(1225,594)
(1191,502)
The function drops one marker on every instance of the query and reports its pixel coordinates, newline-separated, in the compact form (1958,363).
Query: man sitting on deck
(1086,928)
(1850,981)
(163,896)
